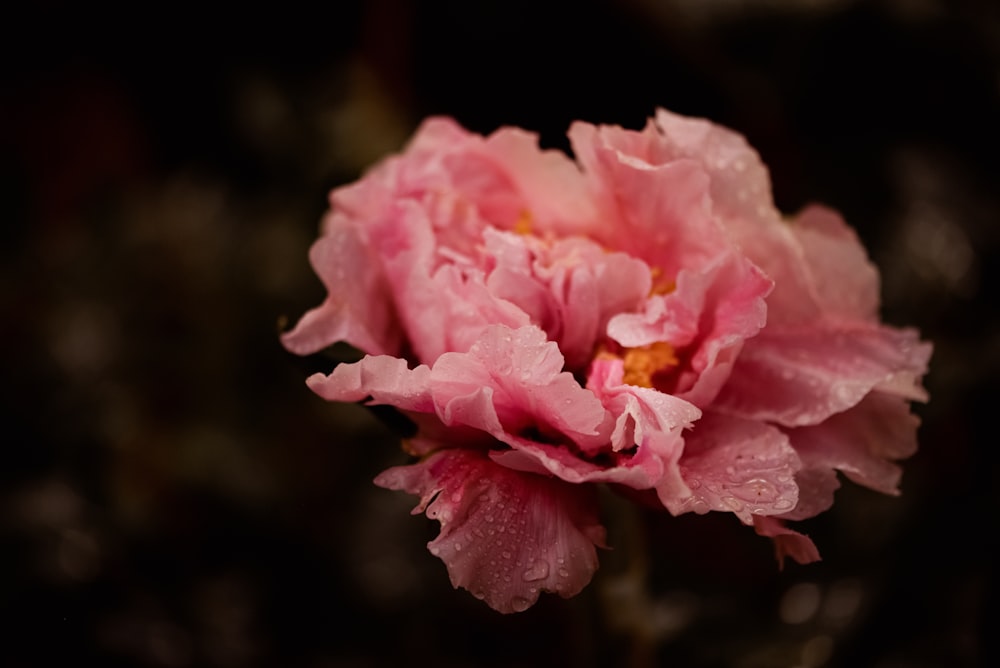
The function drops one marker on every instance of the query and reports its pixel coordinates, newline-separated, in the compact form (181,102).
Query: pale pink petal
(442,307)
(358,308)
(662,212)
(787,543)
(554,192)
(863,442)
(740,184)
(505,536)
(517,375)
(738,466)
(379,380)
(813,373)
(570,288)
(842,279)
(706,319)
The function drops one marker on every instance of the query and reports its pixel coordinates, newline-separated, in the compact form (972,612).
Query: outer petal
(739,466)
(661,211)
(787,543)
(380,379)
(811,374)
(862,442)
(505,535)
(358,308)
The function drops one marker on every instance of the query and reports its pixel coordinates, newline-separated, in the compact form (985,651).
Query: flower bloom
(642,316)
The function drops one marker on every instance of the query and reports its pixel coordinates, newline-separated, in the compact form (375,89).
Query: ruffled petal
(505,536)
(738,466)
(708,316)
(863,442)
(570,288)
(527,389)
(811,374)
(379,380)
(358,308)
(662,211)
(787,542)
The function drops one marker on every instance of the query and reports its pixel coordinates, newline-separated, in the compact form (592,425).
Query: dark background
(172,495)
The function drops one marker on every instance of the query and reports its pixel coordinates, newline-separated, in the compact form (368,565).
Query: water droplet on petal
(563,573)
(520,604)
(733,503)
(506,554)
(458,547)
(537,571)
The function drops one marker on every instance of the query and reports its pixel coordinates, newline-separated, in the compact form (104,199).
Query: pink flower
(642,317)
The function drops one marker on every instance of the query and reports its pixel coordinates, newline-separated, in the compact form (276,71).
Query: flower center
(642,363)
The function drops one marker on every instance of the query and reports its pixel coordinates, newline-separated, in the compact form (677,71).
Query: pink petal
(739,466)
(863,442)
(709,315)
(787,543)
(515,380)
(645,437)
(443,307)
(358,308)
(739,181)
(659,212)
(379,379)
(554,190)
(505,536)
(813,373)
(844,283)
(570,288)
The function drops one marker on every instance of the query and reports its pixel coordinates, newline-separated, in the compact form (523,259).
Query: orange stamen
(642,363)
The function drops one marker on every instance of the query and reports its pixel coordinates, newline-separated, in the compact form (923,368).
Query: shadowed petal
(787,543)
(811,374)
(505,536)
(738,466)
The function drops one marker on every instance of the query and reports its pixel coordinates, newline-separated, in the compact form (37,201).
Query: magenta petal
(813,373)
(505,536)
(863,442)
(739,466)
(787,543)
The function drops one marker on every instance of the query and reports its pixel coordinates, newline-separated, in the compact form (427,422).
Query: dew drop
(537,571)
(505,554)
(733,503)
(458,547)
(563,573)
(520,604)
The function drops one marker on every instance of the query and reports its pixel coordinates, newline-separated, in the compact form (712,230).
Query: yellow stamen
(523,223)
(661,286)
(642,363)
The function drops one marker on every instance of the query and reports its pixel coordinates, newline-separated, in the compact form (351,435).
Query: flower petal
(739,466)
(527,387)
(813,373)
(863,442)
(787,542)
(358,307)
(505,536)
